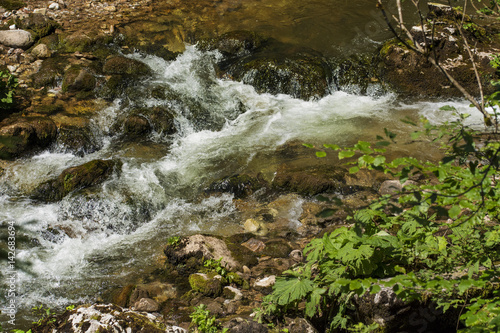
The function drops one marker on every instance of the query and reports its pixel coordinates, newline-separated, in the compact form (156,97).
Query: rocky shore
(69,58)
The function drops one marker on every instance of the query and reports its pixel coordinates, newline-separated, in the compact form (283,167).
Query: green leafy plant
(44,314)
(437,240)
(221,269)
(203,322)
(173,241)
(8,83)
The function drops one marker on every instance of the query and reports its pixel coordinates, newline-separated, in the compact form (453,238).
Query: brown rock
(147,305)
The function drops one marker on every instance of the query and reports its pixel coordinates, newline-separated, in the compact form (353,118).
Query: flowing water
(96,239)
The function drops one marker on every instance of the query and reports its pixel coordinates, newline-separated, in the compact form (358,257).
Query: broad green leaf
(415,135)
(308,145)
(334,147)
(447,108)
(454,211)
(379,160)
(320,154)
(353,169)
(346,154)
(290,289)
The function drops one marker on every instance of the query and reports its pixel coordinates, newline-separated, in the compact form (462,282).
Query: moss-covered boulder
(12,4)
(50,73)
(312,180)
(77,140)
(207,284)
(119,65)
(233,44)
(104,318)
(302,74)
(21,135)
(75,178)
(78,79)
(39,25)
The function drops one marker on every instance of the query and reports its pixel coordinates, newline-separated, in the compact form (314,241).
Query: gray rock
(232,293)
(16,38)
(108,318)
(41,51)
(301,325)
(266,282)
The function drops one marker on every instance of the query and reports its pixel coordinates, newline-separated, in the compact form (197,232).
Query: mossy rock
(39,25)
(94,41)
(76,178)
(21,135)
(77,79)
(207,284)
(136,126)
(312,181)
(233,44)
(277,248)
(302,75)
(12,4)
(50,73)
(119,65)
(156,48)
(239,185)
(77,140)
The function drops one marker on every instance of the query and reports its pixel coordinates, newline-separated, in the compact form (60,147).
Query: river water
(93,240)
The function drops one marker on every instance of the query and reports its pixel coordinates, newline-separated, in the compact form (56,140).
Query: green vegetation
(173,241)
(437,242)
(8,83)
(203,322)
(43,314)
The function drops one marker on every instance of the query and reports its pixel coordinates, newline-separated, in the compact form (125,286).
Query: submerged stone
(119,65)
(86,175)
(78,79)
(239,185)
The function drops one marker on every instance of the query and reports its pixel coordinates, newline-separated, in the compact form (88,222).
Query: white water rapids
(84,244)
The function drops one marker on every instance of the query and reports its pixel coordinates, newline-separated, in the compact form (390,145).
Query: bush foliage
(438,240)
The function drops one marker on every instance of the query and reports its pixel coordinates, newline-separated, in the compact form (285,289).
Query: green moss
(11,4)
(206,284)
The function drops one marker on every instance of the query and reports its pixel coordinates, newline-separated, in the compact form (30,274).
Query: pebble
(54,6)
(42,11)
(110,9)
(12,27)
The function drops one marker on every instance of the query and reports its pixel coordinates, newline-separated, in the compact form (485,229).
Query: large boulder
(271,66)
(304,74)
(119,65)
(21,39)
(78,140)
(202,247)
(22,135)
(78,79)
(75,178)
